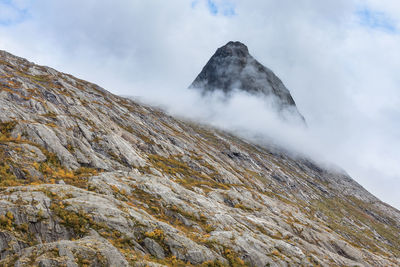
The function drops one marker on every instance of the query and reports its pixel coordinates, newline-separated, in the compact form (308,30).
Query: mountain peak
(88,176)
(234,49)
(233,68)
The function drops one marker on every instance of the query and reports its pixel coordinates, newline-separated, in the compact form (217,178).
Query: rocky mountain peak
(89,178)
(233,68)
(237,49)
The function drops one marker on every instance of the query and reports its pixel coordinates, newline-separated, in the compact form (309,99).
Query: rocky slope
(92,179)
(232,68)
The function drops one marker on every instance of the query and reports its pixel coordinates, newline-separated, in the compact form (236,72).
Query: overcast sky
(339,58)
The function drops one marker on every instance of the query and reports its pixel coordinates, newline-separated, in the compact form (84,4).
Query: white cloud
(342,74)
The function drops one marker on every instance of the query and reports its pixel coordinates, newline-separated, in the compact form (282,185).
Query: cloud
(337,57)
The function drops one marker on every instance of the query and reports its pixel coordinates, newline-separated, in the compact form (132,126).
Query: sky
(339,58)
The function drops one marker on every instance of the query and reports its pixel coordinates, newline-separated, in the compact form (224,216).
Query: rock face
(92,179)
(233,68)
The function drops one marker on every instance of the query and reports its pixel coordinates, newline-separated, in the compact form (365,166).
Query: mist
(356,149)
(252,117)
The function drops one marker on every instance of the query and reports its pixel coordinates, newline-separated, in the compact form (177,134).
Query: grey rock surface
(88,178)
(154,248)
